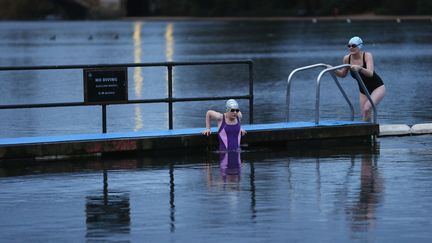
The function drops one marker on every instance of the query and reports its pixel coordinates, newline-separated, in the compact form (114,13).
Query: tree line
(289,8)
(29,9)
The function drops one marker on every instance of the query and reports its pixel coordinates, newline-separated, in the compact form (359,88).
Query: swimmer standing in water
(363,63)
(229,126)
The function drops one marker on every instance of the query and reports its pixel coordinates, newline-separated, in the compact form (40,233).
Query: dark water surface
(402,51)
(359,194)
(350,195)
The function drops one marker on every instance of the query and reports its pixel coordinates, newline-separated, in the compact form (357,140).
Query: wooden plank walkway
(59,147)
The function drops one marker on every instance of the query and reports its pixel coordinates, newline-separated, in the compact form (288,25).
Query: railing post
(104,120)
(170,96)
(317,99)
(251,94)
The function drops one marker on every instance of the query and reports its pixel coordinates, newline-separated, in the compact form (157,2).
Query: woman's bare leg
(366,107)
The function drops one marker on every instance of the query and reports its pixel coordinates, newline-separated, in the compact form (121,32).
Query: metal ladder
(318,82)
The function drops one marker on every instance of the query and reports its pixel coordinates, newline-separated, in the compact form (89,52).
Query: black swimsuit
(371,83)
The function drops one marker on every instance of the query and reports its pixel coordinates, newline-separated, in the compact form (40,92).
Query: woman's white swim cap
(231,104)
(357,41)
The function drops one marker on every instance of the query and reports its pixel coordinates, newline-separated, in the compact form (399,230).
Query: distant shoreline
(359,17)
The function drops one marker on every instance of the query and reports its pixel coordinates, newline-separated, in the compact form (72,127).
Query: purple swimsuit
(229,136)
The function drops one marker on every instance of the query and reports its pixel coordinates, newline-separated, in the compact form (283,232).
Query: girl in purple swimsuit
(362,62)
(230,130)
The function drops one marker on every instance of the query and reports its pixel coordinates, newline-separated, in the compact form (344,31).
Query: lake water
(358,194)
(402,51)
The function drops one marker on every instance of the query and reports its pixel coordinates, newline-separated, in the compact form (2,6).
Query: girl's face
(353,48)
(233,113)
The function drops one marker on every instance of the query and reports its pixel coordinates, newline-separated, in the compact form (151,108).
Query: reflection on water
(169,42)
(108,214)
(137,77)
(230,166)
(362,212)
(172,198)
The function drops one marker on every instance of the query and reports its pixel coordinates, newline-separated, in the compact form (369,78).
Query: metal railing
(359,81)
(318,82)
(170,99)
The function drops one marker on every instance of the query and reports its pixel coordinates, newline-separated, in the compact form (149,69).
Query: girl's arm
(369,70)
(211,114)
(240,116)
(342,72)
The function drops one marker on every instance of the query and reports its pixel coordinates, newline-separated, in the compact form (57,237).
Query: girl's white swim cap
(231,104)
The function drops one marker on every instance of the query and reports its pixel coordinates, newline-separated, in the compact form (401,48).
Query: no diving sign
(105,85)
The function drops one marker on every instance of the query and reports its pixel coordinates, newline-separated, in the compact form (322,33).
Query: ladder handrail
(317,90)
(359,81)
(287,101)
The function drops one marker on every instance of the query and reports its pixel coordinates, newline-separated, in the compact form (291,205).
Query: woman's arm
(240,116)
(369,70)
(211,114)
(342,72)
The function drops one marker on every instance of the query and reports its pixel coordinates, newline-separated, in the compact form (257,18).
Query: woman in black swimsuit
(362,62)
